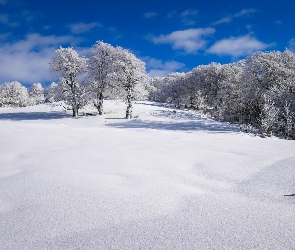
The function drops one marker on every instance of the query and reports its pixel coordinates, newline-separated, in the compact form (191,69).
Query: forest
(257,93)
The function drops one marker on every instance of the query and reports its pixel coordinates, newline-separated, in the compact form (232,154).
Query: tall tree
(69,66)
(100,66)
(129,72)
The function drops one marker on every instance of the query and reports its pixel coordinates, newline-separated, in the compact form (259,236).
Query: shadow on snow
(34,116)
(199,125)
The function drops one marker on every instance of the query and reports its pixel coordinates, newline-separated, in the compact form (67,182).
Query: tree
(36,94)
(129,73)
(69,66)
(230,93)
(13,94)
(258,93)
(270,74)
(53,93)
(268,117)
(100,66)
(156,89)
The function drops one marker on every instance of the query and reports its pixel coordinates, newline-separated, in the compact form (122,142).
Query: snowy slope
(164,180)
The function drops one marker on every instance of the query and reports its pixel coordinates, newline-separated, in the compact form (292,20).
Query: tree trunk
(129,106)
(74,102)
(75,112)
(100,103)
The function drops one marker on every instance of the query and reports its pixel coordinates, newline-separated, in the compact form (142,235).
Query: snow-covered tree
(269,74)
(36,94)
(53,93)
(100,65)
(69,66)
(210,78)
(161,89)
(268,117)
(230,93)
(175,89)
(129,73)
(156,89)
(288,121)
(258,93)
(13,94)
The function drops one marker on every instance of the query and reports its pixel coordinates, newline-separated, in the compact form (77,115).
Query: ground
(167,179)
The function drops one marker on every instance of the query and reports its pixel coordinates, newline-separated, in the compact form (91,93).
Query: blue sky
(170,36)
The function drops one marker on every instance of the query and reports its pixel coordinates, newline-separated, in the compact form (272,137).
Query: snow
(168,179)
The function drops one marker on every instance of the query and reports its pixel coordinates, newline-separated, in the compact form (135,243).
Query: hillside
(167,179)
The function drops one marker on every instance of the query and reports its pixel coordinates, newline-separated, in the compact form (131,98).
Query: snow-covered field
(163,180)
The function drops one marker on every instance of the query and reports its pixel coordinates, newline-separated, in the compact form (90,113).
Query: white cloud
(278,23)
(19,18)
(189,13)
(223,20)
(5,36)
(229,18)
(237,46)
(188,16)
(29,16)
(172,14)
(150,15)
(190,40)
(27,60)
(80,28)
(161,68)
(4,18)
(244,12)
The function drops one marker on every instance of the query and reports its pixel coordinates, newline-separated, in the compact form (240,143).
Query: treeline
(257,93)
(107,71)
(14,94)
